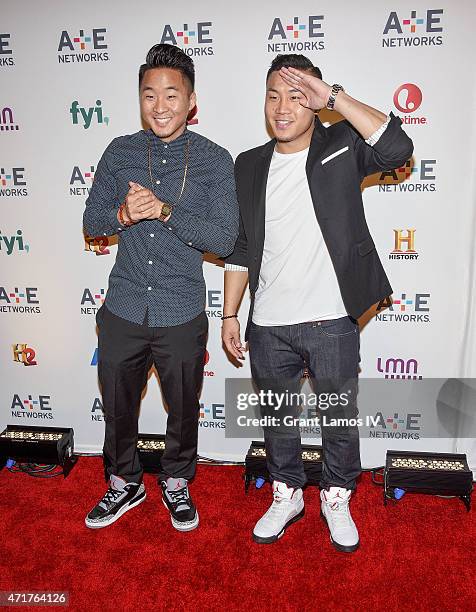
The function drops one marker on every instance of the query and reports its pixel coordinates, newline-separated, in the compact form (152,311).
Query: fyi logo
(8,244)
(84,115)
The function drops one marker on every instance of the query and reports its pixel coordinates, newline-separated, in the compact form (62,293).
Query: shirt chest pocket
(338,157)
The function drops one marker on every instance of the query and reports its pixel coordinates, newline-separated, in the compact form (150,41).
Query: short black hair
(293,60)
(168,56)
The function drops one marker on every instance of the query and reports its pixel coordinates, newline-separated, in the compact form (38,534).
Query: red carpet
(418,553)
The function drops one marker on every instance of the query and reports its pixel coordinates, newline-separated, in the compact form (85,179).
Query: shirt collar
(174,147)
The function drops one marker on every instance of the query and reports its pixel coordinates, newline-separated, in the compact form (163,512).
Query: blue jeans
(330,352)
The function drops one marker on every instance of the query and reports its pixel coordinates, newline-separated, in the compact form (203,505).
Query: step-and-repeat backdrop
(68,74)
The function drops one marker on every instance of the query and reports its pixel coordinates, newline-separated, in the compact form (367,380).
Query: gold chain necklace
(187,147)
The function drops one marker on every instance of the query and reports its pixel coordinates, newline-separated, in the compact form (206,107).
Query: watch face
(166,210)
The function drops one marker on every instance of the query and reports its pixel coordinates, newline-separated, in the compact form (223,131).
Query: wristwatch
(332,98)
(165,212)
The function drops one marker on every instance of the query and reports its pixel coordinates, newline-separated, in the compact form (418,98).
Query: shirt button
(164,161)
(157,182)
(170,228)
(149,288)
(152,235)
(189,244)
(165,146)
(150,262)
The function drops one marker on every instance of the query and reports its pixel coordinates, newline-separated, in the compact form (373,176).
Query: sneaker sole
(183,526)
(113,519)
(337,546)
(275,538)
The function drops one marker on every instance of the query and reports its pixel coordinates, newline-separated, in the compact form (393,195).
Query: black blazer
(335,186)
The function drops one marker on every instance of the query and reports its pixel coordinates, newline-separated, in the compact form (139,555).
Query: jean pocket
(345,326)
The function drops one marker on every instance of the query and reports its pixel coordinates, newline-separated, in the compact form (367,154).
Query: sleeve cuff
(373,138)
(235,268)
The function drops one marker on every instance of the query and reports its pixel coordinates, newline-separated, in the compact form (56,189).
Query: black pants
(126,353)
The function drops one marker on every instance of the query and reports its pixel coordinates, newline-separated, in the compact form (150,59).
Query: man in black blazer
(306,251)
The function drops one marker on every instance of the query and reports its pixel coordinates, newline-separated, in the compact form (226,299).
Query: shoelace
(110,498)
(277,506)
(340,514)
(179,496)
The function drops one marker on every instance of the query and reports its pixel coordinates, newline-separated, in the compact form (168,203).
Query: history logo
(296,34)
(404,245)
(83,46)
(417,29)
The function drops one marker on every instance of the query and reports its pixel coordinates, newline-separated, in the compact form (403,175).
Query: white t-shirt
(297,281)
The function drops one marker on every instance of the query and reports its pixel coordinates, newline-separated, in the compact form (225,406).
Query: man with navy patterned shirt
(169,194)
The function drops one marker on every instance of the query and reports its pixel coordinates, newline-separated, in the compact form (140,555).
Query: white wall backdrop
(413,58)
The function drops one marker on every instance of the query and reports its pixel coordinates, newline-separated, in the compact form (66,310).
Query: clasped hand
(141,203)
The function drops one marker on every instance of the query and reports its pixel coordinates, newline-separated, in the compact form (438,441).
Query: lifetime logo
(188,36)
(7,122)
(407,31)
(84,178)
(407,99)
(13,242)
(22,353)
(405,309)
(86,114)
(290,31)
(97,245)
(410,177)
(15,300)
(6,53)
(404,238)
(12,182)
(83,47)
(35,407)
(397,368)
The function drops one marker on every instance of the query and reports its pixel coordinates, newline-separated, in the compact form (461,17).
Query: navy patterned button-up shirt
(158,267)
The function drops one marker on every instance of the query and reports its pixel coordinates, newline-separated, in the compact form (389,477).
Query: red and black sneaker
(177,500)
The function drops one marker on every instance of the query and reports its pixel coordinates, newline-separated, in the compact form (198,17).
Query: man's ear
(193,101)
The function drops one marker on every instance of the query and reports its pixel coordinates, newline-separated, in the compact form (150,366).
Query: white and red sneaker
(286,509)
(335,511)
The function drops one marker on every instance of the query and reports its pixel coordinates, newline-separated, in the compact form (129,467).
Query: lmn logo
(85,116)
